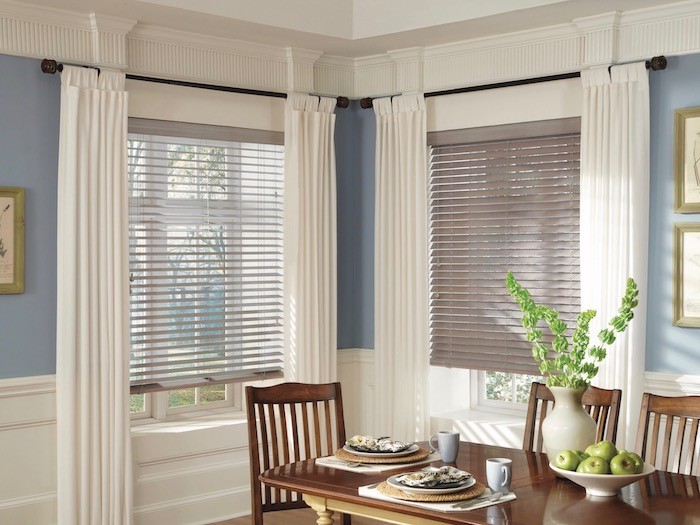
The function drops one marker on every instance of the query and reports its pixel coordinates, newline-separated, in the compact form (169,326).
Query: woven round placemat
(419,454)
(472,492)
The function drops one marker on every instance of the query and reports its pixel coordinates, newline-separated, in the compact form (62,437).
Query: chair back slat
(305,424)
(666,449)
(285,425)
(693,458)
(329,438)
(284,433)
(603,406)
(655,437)
(528,439)
(274,435)
(667,436)
(293,407)
(676,466)
(544,410)
(317,425)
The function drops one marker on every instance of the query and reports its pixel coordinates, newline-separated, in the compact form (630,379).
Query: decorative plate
(372,444)
(445,488)
(406,452)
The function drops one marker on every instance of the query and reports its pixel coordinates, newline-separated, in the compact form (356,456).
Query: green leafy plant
(570,363)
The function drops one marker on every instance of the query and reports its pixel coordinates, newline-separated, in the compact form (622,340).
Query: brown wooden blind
(205,251)
(496,206)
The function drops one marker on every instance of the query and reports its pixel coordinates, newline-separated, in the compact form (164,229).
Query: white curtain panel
(310,273)
(401,269)
(94,474)
(615,221)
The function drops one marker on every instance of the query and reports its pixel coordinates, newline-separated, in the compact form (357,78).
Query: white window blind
(205,248)
(500,205)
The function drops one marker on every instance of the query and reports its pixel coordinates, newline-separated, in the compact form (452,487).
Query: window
(205,252)
(501,198)
(503,389)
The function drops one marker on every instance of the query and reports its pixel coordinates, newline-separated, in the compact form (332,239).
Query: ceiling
(350,28)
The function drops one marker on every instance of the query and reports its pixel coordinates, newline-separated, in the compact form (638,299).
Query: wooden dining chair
(287,423)
(670,424)
(603,406)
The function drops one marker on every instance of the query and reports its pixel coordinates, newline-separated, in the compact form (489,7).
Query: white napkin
(371,491)
(373,468)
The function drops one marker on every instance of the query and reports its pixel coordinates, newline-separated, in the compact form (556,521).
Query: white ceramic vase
(568,426)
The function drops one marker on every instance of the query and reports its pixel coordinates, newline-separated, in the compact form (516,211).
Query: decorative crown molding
(601,37)
(409,68)
(300,69)
(96,39)
(109,39)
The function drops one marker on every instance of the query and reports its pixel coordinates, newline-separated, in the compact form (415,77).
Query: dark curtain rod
(51,66)
(655,64)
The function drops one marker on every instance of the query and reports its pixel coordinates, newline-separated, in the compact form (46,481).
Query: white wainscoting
(195,471)
(191,471)
(356,375)
(28,450)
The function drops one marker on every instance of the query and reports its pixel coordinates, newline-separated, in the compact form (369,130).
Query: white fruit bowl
(602,484)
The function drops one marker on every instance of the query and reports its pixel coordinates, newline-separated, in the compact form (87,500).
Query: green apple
(638,462)
(622,465)
(567,460)
(581,455)
(602,449)
(594,465)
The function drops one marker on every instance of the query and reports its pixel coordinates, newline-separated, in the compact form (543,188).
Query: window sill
(479,426)
(190,421)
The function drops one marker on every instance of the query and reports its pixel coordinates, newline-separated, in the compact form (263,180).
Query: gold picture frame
(687,160)
(686,274)
(11,240)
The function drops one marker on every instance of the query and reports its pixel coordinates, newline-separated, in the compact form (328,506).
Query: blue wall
(29,124)
(355,143)
(669,348)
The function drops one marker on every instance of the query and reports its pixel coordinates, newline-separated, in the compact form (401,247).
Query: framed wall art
(11,240)
(687,160)
(686,274)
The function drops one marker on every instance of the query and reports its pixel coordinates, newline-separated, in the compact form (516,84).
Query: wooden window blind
(499,205)
(205,251)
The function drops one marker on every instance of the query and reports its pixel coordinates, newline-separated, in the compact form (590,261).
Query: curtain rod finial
(50,66)
(343,102)
(366,103)
(657,63)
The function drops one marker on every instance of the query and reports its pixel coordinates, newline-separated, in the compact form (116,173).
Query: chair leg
(346,519)
(256,516)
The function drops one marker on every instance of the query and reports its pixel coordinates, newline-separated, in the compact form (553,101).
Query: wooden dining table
(542,498)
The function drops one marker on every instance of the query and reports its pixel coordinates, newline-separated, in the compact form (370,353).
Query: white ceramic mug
(447,445)
(498,474)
